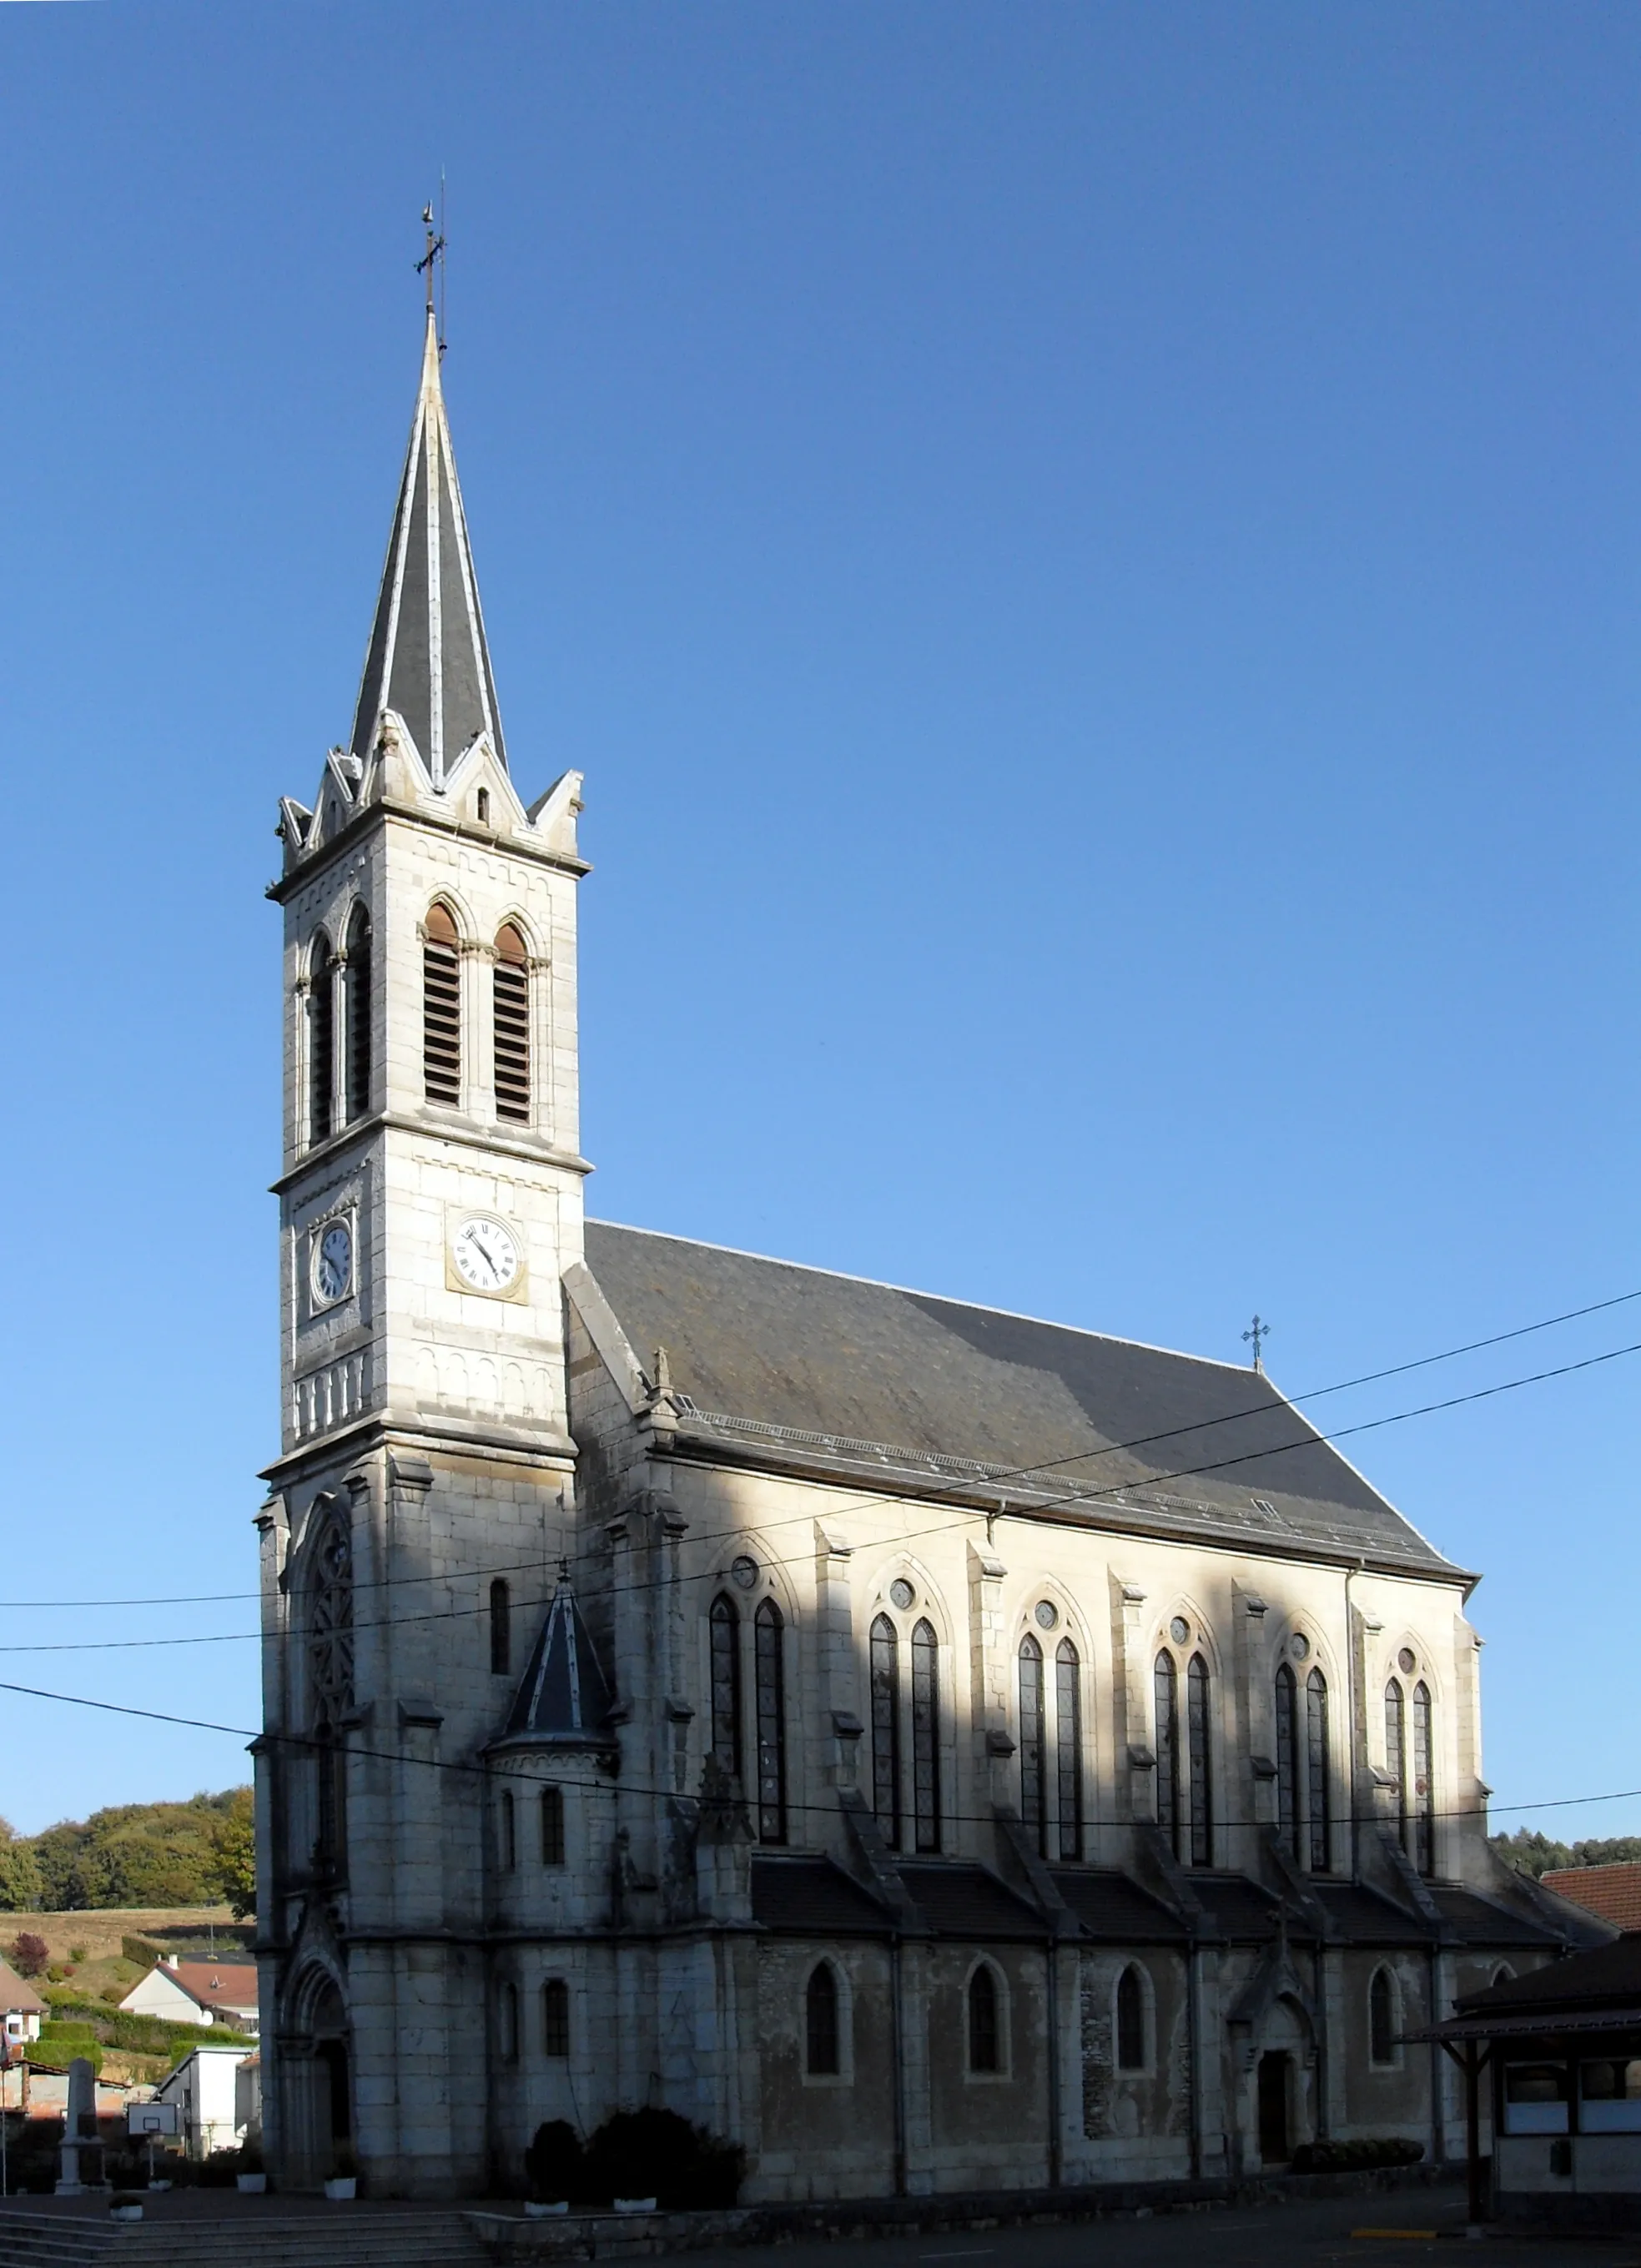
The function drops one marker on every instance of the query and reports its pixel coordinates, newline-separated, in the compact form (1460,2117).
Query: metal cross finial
(434,253)
(1258,1333)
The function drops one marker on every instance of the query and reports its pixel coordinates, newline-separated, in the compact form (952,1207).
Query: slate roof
(1239,1909)
(428,657)
(812,1897)
(1365,1918)
(1111,1906)
(961,1900)
(1614,1892)
(1478,1921)
(564,1694)
(794,1365)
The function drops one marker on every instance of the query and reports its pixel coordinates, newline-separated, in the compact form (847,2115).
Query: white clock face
(333,1263)
(486,1254)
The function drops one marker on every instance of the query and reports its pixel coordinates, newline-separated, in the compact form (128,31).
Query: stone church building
(940,1749)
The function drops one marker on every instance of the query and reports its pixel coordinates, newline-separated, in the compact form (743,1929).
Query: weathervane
(1258,1333)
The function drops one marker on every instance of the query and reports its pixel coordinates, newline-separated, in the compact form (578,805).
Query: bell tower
(431,1197)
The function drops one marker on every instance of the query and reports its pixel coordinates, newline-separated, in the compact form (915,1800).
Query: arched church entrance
(1279,2105)
(1276,2081)
(318,2085)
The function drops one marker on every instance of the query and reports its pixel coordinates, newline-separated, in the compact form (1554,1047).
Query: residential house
(197,1992)
(207,2091)
(21,2008)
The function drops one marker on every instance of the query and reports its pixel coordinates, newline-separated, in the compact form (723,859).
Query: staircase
(345,2237)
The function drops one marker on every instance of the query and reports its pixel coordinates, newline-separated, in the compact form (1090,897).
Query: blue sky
(1089,555)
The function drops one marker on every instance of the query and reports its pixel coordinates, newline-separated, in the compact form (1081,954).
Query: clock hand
(491,1260)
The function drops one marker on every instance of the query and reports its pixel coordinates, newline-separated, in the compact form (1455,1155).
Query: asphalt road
(1312,2235)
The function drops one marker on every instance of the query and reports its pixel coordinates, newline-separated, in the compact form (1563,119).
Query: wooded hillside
(135,1854)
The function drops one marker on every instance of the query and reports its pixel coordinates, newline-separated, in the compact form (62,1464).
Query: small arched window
(985,2045)
(885,1730)
(723,1634)
(482,799)
(1318,1807)
(358,1016)
(926,1736)
(822,2042)
(1198,1732)
(1287,1760)
(501,1628)
(1396,1752)
(770,1679)
(1381,2019)
(321,1039)
(511,996)
(508,2013)
(1131,2020)
(510,1833)
(552,1826)
(1502,1975)
(441,1007)
(1423,1781)
(1165,1682)
(555,2017)
(1033,1795)
(1067,1737)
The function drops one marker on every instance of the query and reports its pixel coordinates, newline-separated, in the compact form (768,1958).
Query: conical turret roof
(428,659)
(564,1694)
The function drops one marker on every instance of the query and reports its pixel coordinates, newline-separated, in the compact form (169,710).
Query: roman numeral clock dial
(486,1255)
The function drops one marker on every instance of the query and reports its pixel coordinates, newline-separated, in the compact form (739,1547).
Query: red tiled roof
(217,1983)
(1613,1892)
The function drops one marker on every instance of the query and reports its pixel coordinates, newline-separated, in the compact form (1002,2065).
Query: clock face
(333,1263)
(486,1254)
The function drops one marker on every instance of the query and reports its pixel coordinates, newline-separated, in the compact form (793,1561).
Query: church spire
(428,660)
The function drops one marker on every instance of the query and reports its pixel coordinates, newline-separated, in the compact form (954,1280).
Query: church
(937,1749)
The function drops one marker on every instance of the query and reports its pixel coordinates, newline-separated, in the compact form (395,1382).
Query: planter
(250,2184)
(125,2213)
(342,2189)
(534,2211)
(160,2185)
(635,2204)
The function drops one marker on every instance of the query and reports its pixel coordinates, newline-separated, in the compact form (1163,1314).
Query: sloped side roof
(841,1369)
(564,1694)
(1606,1975)
(17,1996)
(216,1984)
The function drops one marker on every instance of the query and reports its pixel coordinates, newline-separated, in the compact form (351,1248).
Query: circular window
(745,1569)
(1178,1629)
(1407,1660)
(1048,1614)
(901,1593)
(1299,1646)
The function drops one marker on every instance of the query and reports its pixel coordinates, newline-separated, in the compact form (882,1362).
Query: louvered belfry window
(321,1039)
(358,1081)
(512,1026)
(441,1007)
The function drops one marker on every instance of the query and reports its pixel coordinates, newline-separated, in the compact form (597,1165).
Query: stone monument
(81,2156)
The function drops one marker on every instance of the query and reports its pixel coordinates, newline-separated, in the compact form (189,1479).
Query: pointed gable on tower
(564,1694)
(428,660)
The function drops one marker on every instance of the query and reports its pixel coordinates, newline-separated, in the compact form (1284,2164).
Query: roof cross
(1258,1333)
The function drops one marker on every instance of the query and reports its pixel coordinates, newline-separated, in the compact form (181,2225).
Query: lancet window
(510,995)
(926,1737)
(555,2017)
(501,1628)
(441,1006)
(1130,2025)
(552,1826)
(1381,2019)
(723,1637)
(770,1680)
(822,2040)
(357,998)
(321,1039)
(1033,1793)
(1396,1752)
(1318,1809)
(1422,1853)
(886,1729)
(985,2033)
(330,1671)
(1288,1759)
(1185,1753)
(1068,1734)
(1410,1756)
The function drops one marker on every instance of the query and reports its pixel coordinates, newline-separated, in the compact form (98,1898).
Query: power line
(1311,1439)
(1113,1448)
(480,1769)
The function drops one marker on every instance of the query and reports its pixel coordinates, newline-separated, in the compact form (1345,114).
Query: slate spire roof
(428,660)
(564,1694)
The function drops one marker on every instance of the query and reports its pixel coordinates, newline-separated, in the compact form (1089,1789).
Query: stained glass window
(1068,1734)
(1202,1792)
(724,1624)
(886,1729)
(1167,1681)
(1287,1760)
(1396,1752)
(926,1736)
(1033,1804)
(1423,1781)
(771,1697)
(1318,1820)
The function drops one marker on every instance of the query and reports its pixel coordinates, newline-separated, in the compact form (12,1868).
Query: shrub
(555,2163)
(29,1952)
(657,2153)
(1355,2157)
(78,1953)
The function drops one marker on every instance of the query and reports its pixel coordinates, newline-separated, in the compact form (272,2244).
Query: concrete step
(242,2239)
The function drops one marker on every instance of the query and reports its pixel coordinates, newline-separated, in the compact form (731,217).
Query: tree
(29,1952)
(20,1874)
(235,1867)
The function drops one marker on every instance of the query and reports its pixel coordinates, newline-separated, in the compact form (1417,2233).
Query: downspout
(1194,2035)
(897,2043)
(1352,1778)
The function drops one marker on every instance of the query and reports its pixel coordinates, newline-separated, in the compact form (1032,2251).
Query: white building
(21,2008)
(197,1992)
(958,1751)
(210,2097)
